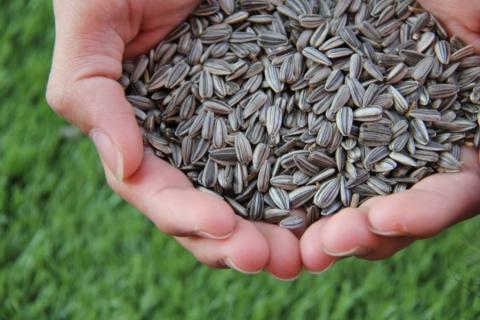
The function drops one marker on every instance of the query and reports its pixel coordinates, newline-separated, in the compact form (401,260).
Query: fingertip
(313,257)
(383,220)
(250,255)
(189,211)
(317,262)
(322,269)
(222,221)
(284,261)
(246,250)
(344,232)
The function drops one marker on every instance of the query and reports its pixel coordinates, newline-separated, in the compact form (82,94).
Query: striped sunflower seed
(315,105)
(327,193)
(243,149)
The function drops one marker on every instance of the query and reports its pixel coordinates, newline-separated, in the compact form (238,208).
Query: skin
(93,37)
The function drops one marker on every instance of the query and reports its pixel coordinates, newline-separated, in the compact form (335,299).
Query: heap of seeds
(313,104)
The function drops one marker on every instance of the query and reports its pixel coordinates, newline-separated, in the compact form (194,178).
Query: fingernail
(229,263)
(207,235)
(324,270)
(286,279)
(109,154)
(356,251)
(390,233)
(395,230)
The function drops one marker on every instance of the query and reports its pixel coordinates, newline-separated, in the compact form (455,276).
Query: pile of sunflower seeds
(313,104)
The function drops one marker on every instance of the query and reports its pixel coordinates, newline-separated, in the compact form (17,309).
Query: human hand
(384,225)
(460,17)
(92,38)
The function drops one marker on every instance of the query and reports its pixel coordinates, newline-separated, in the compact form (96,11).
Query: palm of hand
(202,223)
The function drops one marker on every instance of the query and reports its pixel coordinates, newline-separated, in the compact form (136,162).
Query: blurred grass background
(71,249)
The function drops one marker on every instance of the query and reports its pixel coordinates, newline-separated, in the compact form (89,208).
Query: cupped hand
(92,39)
(384,225)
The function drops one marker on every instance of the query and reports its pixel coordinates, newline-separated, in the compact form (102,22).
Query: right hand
(92,39)
(386,224)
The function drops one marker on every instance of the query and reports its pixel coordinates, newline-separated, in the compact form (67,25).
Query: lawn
(71,249)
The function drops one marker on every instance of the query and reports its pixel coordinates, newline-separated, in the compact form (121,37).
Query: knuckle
(58,99)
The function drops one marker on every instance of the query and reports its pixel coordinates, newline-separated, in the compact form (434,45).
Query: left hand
(92,39)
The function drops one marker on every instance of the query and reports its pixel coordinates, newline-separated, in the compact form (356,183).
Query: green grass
(71,249)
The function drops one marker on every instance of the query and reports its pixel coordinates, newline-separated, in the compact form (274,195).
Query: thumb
(83,88)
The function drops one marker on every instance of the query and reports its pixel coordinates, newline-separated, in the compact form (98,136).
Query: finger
(159,18)
(314,258)
(168,199)
(284,260)
(431,205)
(99,108)
(82,87)
(347,234)
(246,251)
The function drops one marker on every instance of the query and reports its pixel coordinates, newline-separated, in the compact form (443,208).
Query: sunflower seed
(280,198)
(426,114)
(463,53)
(327,193)
(374,134)
(316,105)
(316,56)
(264,177)
(403,159)
(292,222)
(311,21)
(255,207)
(400,103)
(216,33)
(304,165)
(271,39)
(243,149)
(344,120)
(356,65)
(217,107)
(373,70)
(444,90)
(375,155)
(368,114)
(218,67)
(300,196)
(422,69)
(449,163)
(443,51)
